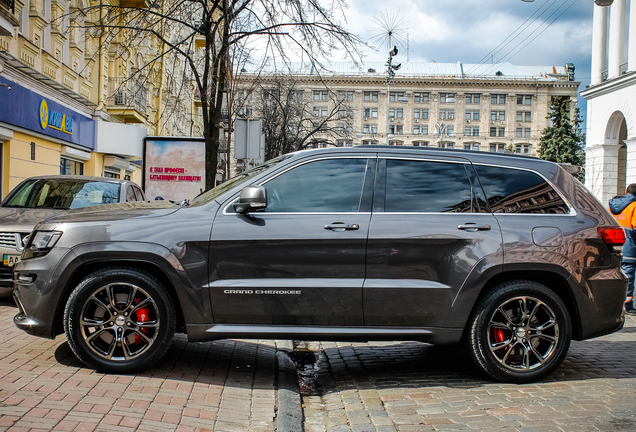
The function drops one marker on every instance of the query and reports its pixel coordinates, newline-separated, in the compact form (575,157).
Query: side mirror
(251,198)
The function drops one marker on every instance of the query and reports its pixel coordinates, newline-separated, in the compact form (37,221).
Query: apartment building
(487,107)
(69,107)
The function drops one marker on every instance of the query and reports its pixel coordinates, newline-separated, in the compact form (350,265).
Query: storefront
(42,137)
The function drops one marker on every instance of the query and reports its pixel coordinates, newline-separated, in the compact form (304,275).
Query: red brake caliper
(499,335)
(142,316)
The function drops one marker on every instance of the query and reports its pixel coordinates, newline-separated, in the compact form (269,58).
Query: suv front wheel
(519,332)
(119,320)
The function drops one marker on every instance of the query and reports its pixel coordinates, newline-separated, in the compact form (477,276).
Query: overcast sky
(543,32)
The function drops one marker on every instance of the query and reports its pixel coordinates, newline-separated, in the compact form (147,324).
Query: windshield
(235,181)
(63,194)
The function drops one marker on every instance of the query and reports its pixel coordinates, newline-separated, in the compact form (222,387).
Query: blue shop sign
(24,108)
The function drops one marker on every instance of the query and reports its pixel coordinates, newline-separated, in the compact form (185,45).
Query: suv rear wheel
(519,332)
(119,320)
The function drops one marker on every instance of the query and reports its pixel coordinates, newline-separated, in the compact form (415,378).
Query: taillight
(614,237)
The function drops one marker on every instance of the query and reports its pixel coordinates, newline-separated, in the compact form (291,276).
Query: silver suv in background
(38,198)
(508,255)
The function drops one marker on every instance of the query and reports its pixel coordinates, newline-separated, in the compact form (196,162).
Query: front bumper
(39,286)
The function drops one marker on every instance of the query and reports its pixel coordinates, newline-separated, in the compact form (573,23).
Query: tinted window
(511,190)
(332,185)
(428,187)
(63,194)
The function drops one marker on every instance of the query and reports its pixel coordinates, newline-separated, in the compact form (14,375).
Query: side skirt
(433,335)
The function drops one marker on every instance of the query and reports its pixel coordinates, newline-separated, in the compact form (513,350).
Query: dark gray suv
(509,255)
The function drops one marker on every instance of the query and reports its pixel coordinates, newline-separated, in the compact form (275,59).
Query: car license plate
(9,259)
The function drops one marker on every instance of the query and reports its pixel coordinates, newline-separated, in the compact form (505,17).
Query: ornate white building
(611,106)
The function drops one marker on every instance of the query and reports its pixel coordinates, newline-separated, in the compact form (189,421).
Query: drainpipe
(100,63)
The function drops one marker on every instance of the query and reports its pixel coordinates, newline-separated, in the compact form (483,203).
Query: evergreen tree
(562,142)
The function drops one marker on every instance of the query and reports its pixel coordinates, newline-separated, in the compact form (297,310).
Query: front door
(430,230)
(301,261)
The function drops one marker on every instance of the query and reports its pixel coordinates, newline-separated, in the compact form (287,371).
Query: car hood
(112,212)
(14,219)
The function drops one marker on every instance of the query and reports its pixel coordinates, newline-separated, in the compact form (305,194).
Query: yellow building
(71,103)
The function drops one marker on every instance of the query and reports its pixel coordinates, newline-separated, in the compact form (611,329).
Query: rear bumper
(600,298)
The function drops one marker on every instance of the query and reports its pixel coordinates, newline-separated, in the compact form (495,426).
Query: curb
(290,411)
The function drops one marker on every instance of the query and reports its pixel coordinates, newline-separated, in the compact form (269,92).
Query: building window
(392,129)
(471,115)
(526,132)
(524,116)
(493,131)
(498,115)
(416,130)
(399,130)
(323,112)
(497,147)
(340,143)
(400,113)
(448,145)
(519,132)
(345,95)
(365,128)
(442,114)
(447,97)
(349,143)
(502,132)
(424,130)
(451,114)
(425,114)
(526,148)
(393,96)
(421,97)
(373,142)
(374,128)
(71,167)
(391,112)
(316,111)
(524,99)
(518,148)
(450,130)
(498,99)
(416,114)
(473,98)
(370,96)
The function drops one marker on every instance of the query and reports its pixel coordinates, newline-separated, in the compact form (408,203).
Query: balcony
(8,4)
(127,99)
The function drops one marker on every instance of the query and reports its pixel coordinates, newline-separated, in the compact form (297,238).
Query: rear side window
(512,190)
(331,185)
(427,187)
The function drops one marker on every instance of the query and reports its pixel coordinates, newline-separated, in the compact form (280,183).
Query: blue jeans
(629,268)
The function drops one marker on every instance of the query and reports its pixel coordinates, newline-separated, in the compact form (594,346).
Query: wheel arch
(87,268)
(553,279)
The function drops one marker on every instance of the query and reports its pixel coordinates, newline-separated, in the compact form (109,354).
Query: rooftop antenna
(389,31)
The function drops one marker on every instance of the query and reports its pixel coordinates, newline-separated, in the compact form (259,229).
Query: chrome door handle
(340,226)
(473,227)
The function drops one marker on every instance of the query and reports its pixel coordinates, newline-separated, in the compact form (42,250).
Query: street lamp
(442,130)
(390,74)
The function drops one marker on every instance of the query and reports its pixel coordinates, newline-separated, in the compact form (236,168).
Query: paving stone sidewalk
(393,386)
(228,385)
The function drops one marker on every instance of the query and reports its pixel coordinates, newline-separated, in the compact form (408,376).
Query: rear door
(430,230)
(302,260)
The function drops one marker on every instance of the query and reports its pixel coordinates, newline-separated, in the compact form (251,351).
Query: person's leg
(629,268)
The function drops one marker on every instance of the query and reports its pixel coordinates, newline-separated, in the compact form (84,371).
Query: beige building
(67,106)
(478,107)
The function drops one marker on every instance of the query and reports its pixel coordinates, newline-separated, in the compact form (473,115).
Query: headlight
(40,243)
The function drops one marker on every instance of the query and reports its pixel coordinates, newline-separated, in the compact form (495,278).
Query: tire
(119,320)
(514,347)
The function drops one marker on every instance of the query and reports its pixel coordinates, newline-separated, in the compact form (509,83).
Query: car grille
(10,240)
(6,273)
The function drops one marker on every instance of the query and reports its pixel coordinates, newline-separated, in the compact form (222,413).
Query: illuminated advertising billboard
(174,168)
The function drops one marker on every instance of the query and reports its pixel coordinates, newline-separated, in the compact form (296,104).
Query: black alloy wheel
(119,320)
(519,332)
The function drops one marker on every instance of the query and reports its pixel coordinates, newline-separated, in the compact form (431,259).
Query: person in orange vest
(624,210)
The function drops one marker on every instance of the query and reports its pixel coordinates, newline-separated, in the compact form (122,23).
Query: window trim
(463,162)
(572,212)
(235,198)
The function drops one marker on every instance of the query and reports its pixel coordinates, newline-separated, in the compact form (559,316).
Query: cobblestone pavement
(409,386)
(225,386)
